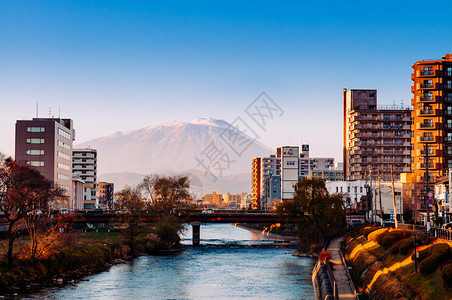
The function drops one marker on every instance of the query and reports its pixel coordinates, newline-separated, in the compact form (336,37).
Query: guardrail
(332,279)
(434,231)
(349,276)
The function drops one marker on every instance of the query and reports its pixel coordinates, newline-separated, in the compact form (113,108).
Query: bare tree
(24,191)
(130,203)
(167,194)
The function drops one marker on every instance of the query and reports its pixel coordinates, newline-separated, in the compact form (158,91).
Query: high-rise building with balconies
(375,137)
(432,125)
(432,117)
(84,166)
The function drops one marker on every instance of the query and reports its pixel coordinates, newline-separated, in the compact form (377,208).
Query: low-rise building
(106,194)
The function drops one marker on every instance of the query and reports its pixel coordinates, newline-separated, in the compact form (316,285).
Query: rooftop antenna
(50,112)
(37,101)
(401,103)
(59,112)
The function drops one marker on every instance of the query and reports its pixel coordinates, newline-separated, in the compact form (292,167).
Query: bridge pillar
(196,226)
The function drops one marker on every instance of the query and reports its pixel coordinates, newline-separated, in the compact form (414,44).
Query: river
(231,263)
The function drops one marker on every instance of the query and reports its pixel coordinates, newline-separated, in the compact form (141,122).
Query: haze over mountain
(210,149)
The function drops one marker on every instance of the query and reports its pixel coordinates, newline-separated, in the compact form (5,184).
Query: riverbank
(384,268)
(76,255)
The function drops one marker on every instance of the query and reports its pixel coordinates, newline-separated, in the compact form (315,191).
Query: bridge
(195,218)
(216,217)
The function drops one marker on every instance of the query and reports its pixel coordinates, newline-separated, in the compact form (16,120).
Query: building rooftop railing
(395,107)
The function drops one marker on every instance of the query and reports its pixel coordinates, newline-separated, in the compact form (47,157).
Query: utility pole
(396,224)
(379,195)
(427,187)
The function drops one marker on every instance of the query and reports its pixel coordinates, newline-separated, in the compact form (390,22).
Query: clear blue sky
(122,65)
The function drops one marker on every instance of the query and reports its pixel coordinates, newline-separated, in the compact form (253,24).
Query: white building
(354,192)
(289,170)
(84,166)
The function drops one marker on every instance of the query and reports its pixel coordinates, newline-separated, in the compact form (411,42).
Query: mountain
(211,148)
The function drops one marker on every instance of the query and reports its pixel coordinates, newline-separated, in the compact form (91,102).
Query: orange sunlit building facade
(432,122)
(432,117)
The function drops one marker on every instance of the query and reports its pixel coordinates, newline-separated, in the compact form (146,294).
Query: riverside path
(344,288)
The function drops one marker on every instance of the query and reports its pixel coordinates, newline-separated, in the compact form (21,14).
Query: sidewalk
(340,274)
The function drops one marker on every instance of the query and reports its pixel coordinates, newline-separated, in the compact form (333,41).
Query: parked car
(447,226)
(354,223)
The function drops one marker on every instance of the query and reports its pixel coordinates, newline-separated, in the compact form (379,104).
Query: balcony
(431,166)
(427,85)
(448,139)
(427,139)
(426,112)
(427,126)
(427,73)
(426,99)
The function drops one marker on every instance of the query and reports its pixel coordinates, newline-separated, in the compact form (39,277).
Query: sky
(123,65)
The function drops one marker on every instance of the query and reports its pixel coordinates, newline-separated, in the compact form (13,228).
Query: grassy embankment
(383,264)
(72,256)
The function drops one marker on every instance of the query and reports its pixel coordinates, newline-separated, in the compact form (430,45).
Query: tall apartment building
(374,137)
(432,117)
(84,166)
(46,144)
(106,195)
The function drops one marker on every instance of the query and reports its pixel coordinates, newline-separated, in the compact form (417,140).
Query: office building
(84,166)
(46,144)
(375,137)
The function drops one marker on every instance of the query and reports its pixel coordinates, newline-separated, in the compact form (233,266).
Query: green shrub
(446,274)
(428,265)
(440,252)
(167,232)
(406,245)
(395,248)
(423,254)
(388,240)
(367,230)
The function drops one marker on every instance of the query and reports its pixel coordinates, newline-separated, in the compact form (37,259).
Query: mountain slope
(176,147)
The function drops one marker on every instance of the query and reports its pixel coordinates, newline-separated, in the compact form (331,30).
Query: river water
(231,263)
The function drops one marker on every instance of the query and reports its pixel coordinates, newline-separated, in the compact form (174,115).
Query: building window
(64,145)
(63,177)
(35,141)
(64,134)
(360,189)
(35,163)
(63,166)
(348,189)
(35,152)
(64,155)
(64,188)
(35,129)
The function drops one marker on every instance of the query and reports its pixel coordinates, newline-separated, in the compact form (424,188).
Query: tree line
(27,199)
